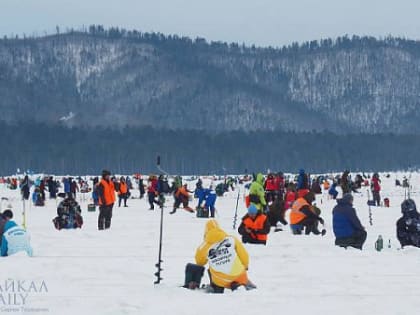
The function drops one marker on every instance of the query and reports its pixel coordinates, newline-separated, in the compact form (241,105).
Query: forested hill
(61,150)
(118,78)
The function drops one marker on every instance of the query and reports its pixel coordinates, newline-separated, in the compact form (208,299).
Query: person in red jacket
(272,187)
(106,196)
(376,188)
(152,191)
(290,198)
(254,227)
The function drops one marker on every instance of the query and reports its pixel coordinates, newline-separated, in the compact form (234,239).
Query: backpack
(193,275)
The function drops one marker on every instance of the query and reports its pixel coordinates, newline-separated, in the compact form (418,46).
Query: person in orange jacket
(106,196)
(182,195)
(303,215)
(122,192)
(254,227)
(227,257)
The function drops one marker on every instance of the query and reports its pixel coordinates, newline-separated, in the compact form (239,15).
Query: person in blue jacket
(208,197)
(333,191)
(67,185)
(201,195)
(302,180)
(15,239)
(346,225)
(210,201)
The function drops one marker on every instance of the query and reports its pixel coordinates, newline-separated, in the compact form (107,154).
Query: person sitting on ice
(37,197)
(68,214)
(346,225)
(227,257)
(4,217)
(14,239)
(254,227)
(408,226)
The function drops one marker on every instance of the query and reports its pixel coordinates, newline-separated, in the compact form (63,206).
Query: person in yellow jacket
(227,257)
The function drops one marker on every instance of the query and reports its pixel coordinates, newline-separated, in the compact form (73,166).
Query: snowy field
(112,272)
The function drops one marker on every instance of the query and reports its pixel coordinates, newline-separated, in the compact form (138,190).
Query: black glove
(321,220)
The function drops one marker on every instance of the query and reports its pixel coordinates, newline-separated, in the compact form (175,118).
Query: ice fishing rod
(409,185)
(370,210)
(160,261)
(160,168)
(236,209)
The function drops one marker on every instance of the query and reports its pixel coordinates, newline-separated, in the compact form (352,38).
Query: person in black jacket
(68,214)
(345,182)
(52,187)
(408,226)
(24,187)
(276,211)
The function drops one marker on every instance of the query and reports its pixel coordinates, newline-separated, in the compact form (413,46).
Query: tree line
(61,150)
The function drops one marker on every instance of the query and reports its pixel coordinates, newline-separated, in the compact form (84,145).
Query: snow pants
(377,198)
(356,240)
(105,216)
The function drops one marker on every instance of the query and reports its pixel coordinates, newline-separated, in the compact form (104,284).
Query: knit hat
(105,173)
(309,197)
(7,214)
(252,209)
(347,198)
(408,205)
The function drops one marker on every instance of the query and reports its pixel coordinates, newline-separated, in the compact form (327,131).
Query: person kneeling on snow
(227,257)
(346,225)
(254,227)
(276,212)
(408,226)
(68,214)
(4,217)
(303,215)
(15,239)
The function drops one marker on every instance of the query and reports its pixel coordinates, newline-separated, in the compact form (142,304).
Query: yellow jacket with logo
(227,257)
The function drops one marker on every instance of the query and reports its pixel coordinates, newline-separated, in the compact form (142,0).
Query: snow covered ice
(87,271)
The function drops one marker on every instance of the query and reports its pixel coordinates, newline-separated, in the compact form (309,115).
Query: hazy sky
(260,22)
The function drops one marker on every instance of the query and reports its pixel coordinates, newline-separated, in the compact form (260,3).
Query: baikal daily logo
(15,295)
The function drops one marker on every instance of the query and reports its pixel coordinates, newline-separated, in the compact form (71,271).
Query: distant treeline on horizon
(62,150)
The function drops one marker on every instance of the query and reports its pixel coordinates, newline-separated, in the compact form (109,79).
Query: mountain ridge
(117,78)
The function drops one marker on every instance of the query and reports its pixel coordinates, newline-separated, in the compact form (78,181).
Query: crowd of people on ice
(268,200)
